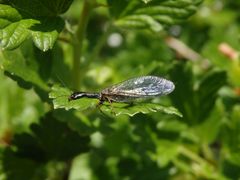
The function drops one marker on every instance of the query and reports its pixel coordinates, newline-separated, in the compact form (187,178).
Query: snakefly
(127,91)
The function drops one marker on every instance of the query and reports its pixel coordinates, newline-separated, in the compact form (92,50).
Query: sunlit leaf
(14,34)
(8,15)
(146,1)
(151,14)
(15,28)
(60,100)
(145,108)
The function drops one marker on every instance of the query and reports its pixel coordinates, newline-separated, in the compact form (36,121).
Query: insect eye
(76,95)
(73,96)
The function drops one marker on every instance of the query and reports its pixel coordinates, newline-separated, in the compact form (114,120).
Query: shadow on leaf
(49,141)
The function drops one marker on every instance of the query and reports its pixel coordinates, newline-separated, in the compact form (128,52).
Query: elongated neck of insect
(92,95)
(78,95)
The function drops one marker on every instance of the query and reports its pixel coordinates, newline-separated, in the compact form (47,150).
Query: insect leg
(101,101)
(110,102)
(99,104)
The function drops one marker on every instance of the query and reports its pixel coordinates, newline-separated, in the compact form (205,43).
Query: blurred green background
(198,51)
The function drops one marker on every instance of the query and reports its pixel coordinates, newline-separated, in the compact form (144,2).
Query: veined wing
(140,87)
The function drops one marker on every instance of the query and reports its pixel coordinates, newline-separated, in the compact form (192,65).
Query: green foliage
(88,45)
(30,153)
(14,61)
(197,106)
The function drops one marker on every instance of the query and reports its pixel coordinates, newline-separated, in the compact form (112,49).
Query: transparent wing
(140,87)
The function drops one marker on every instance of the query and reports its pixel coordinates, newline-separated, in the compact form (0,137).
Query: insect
(127,91)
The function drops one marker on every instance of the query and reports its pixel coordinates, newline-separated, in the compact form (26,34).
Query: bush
(49,49)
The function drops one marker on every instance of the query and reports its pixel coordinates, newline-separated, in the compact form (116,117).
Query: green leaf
(49,141)
(171,125)
(207,92)
(117,6)
(40,8)
(8,15)
(230,169)
(17,167)
(15,29)
(18,108)
(44,35)
(46,147)
(14,34)
(166,151)
(66,138)
(145,108)
(182,96)
(212,125)
(151,14)
(76,120)
(230,131)
(146,1)
(176,12)
(22,63)
(138,21)
(60,100)
(81,162)
(196,104)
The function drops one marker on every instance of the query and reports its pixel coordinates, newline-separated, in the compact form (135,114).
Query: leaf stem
(78,39)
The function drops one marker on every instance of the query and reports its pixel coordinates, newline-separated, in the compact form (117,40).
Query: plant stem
(191,155)
(101,43)
(78,39)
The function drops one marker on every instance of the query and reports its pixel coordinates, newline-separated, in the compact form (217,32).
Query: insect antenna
(63,85)
(61,81)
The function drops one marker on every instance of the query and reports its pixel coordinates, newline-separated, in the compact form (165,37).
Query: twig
(228,51)
(182,49)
